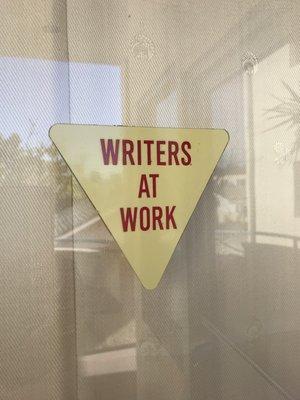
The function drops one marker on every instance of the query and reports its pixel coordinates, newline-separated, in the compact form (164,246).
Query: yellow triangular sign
(144,182)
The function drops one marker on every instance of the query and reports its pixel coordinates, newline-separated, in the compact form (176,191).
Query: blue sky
(35,95)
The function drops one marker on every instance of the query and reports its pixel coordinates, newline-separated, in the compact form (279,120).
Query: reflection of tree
(287,115)
(38,166)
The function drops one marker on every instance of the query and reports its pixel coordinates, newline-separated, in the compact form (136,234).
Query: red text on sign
(145,152)
(148,218)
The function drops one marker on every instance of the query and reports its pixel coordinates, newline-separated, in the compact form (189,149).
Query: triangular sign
(144,182)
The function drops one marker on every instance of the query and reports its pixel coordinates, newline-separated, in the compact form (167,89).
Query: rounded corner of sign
(227,135)
(52,130)
(150,284)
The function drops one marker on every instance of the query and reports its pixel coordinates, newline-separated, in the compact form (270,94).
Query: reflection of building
(91,234)
(245,290)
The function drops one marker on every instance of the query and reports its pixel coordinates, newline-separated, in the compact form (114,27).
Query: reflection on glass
(224,322)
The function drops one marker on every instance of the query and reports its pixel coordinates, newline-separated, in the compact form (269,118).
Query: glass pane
(224,321)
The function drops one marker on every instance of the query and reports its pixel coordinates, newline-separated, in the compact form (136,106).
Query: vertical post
(250,165)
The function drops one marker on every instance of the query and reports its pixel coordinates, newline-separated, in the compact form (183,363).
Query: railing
(245,237)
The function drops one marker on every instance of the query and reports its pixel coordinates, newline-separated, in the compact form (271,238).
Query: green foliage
(39,166)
